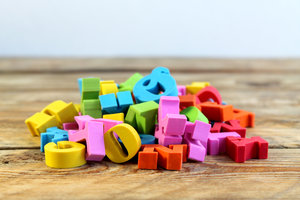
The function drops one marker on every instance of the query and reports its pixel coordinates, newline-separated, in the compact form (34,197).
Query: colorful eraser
(217,112)
(171,125)
(90,88)
(196,150)
(196,87)
(108,87)
(110,104)
(229,126)
(92,134)
(64,154)
(130,83)
(131,141)
(193,113)
(91,107)
(168,158)
(181,90)
(39,122)
(242,149)
(142,116)
(53,134)
(198,131)
(246,118)
(187,101)
(208,93)
(152,87)
(62,111)
(116,116)
(216,143)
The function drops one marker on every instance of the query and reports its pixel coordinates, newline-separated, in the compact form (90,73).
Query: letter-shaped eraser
(53,135)
(171,125)
(216,143)
(39,122)
(116,116)
(130,139)
(242,149)
(90,88)
(229,126)
(181,90)
(65,154)
(193,113)
(216,112)
(110,104)
(198,131)
(196,150)
(62,111)
(196,87)
(142,116)
(168,158)
(152,87)
(207,93)
(92,134)
(90,104)
(187,101)
(91,107)
(195,136)
(130,83)
(246,118)
(108,87)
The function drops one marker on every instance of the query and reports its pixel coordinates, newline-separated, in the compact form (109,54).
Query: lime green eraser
(129,84)
(90,88)
(192,113)
(91,107)
(142,117)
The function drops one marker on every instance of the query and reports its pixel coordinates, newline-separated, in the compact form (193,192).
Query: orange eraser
(217,112)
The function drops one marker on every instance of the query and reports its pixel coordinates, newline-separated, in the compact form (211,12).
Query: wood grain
(269,88)
(24,175)
(182,65)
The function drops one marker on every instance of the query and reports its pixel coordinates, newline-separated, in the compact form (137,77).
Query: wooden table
(269,88)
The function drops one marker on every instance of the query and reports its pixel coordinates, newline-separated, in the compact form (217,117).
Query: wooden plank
(183,65)
(25,176)
(272,97)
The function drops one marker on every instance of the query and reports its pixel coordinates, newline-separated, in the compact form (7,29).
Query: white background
(233,28)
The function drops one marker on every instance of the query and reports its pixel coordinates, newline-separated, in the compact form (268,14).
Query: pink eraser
(92,134)
(216,143)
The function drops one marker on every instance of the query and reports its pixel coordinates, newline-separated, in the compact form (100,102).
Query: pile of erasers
(150,119)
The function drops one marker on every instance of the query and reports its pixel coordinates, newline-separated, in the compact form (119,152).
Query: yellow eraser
(77,106)
(196,86)
(64,112)
(65,154)
(130,138)
(108,87)
(116,116)
(39,122)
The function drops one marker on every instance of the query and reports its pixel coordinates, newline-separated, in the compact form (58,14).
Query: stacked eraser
(163,123)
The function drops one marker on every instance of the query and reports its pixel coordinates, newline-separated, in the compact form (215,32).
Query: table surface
(269,88)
